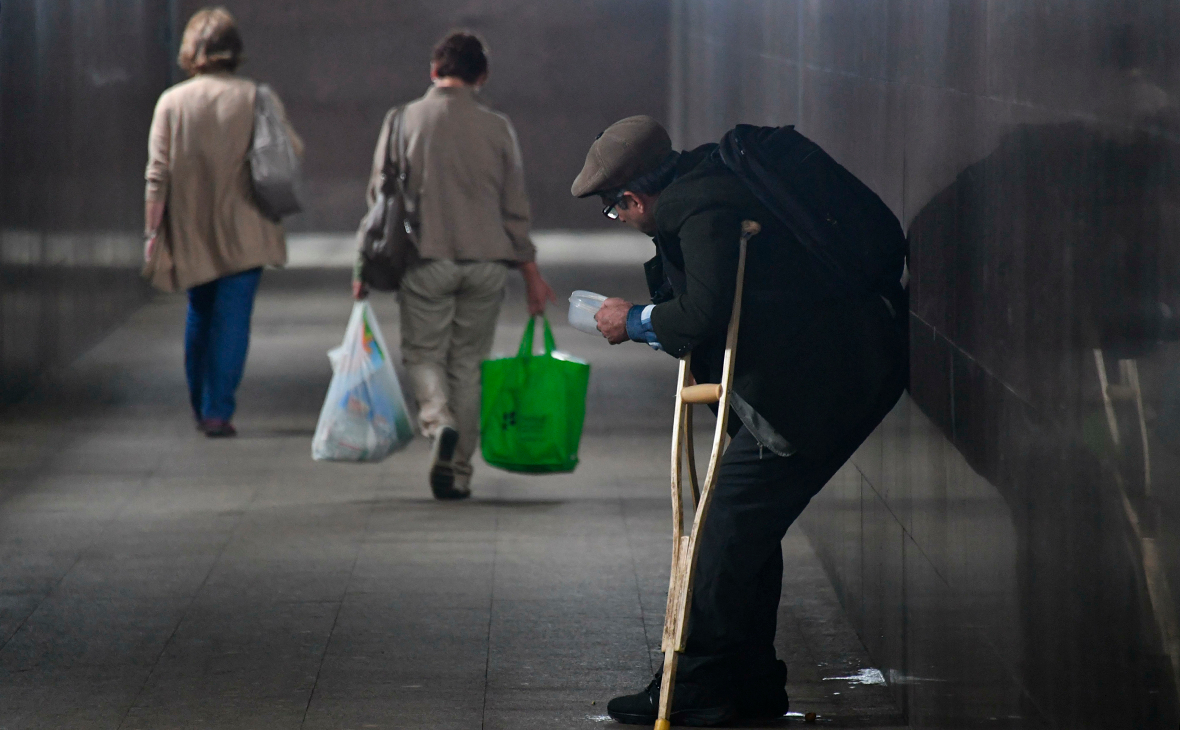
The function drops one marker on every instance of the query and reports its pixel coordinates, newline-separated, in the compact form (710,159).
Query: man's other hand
(538,293)
(359,290)
(612,320)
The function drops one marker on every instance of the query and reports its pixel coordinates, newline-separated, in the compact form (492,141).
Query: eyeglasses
(611,209)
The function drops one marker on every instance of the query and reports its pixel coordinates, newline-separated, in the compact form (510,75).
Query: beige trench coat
(200,136)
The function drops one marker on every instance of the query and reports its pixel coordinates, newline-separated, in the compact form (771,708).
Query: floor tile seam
(180,621)
(808,645)
(105,525)
(483,712)
(638,588)
(811,642)
(336,619)
(802,618)
(40,602)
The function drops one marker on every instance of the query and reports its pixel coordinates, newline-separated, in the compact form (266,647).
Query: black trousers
(734,612)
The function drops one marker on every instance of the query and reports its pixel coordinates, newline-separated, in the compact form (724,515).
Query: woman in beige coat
(205,234)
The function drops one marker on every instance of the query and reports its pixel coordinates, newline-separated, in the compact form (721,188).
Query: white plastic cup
(583,306)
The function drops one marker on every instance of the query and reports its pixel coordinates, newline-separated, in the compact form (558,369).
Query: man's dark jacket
(815,367)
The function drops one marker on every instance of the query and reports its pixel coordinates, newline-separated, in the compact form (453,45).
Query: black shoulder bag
(387,239)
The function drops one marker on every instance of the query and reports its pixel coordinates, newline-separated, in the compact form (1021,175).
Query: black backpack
(836,217)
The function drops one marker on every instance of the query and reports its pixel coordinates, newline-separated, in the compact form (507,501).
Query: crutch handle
(704,393)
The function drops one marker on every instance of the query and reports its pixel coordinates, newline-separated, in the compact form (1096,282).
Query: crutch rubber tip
(663,725)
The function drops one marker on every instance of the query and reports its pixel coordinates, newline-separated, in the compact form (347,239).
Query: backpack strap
(742,158)
(759,156)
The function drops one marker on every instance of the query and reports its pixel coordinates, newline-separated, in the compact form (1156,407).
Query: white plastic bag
(364,416)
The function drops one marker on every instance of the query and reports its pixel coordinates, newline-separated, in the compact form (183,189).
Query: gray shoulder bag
(387,241)
(274,166)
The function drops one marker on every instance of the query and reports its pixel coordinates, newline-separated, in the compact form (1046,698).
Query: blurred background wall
(561,71)
(1006,542)
(78,81)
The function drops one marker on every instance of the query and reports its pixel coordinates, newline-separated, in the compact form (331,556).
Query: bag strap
(526,342)
(393,174)
(741,155)
(401,151)
(550,343)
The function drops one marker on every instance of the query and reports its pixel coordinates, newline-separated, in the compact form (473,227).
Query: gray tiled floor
(151,578)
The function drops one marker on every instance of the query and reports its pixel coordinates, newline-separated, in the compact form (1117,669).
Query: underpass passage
(1006,544)
(154,578)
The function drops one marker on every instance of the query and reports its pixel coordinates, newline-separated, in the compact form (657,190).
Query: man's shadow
(1047,277)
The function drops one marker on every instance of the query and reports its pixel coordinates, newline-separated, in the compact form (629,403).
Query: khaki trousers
(448,321)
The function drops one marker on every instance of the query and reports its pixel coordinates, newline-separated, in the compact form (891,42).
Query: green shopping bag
(533,407)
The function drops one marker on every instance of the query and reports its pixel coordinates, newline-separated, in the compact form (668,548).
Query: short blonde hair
(211,42)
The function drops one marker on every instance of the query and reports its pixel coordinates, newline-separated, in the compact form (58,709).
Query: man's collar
(438,92)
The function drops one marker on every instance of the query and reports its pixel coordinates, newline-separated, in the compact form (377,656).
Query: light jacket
(466,181)
(201,133)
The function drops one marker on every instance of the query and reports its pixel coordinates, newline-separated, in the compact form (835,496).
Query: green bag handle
(526,342)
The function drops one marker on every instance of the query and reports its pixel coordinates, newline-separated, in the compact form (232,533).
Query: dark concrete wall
(78,81)
(1007,541)
(561,71)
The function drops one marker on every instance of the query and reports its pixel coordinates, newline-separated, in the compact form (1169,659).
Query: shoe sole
(442,474)
(688,718)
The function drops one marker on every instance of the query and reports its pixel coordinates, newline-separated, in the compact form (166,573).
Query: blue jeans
(216,337)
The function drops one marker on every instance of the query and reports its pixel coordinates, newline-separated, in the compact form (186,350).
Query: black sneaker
(764,697)
(442,467)
(692,705)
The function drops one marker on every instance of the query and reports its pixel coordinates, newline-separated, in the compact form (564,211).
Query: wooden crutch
(685,548)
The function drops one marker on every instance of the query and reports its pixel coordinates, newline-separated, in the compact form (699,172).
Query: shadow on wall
(1045,299)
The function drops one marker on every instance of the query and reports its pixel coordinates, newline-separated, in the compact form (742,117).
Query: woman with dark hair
(465,186)
(204,232)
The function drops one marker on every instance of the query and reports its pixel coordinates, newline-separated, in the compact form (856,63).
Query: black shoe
(442,467)
(692,705)
(764,697)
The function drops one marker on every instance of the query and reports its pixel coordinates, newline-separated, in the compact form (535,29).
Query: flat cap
(625,150)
